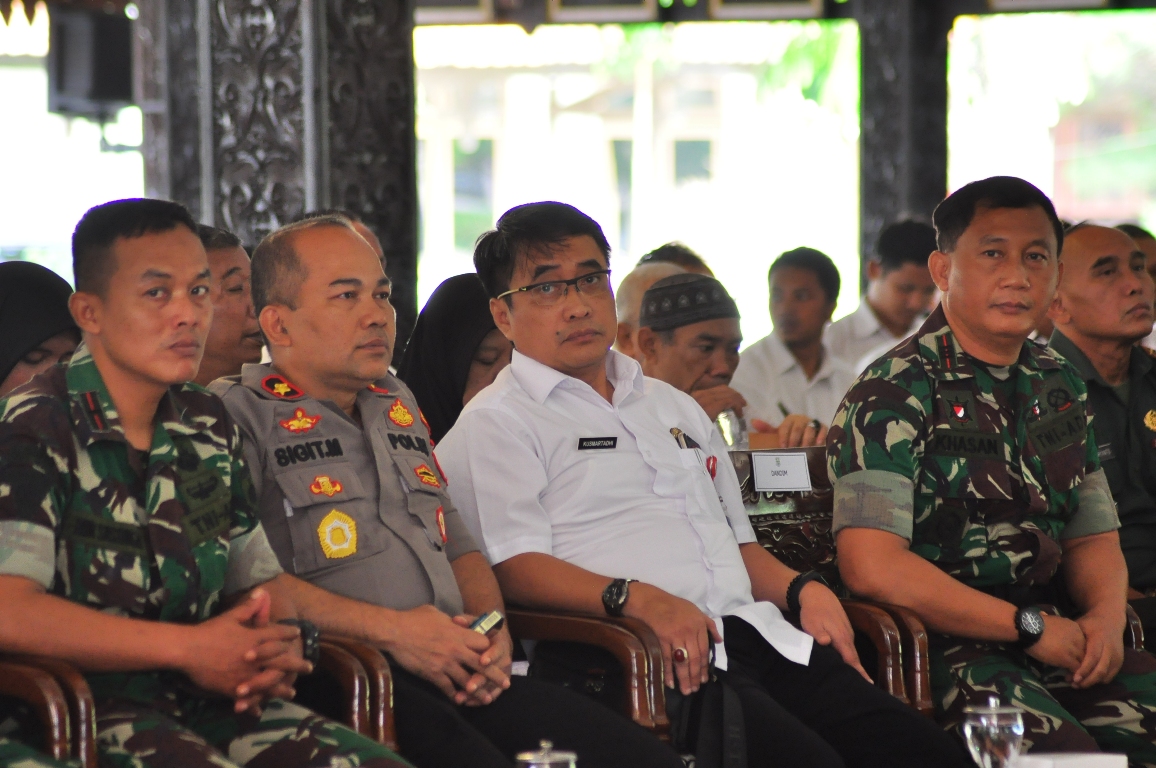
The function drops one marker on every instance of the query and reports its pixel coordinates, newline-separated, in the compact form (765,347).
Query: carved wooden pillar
(903,139)
(264,109)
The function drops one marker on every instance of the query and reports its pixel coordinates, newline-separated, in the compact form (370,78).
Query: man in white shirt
(790,371)
(595,489)
(900,293)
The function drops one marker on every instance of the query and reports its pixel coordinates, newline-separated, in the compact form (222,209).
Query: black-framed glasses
(551,292)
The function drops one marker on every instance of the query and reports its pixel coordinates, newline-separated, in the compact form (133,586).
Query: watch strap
(1024,616)
(310,638)
(795,588)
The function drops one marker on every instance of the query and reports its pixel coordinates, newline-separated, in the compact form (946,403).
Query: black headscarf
(33,309)
(436,363)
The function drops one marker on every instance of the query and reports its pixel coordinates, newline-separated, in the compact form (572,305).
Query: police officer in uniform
(354,501)
(128,523)
(1103,307)
(968,487)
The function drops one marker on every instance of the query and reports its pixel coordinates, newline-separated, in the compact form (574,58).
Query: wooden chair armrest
(42,693)
(878,625)
(380,687)
(354,682)
(916,660)
(81,708)
(631,642)
(1134,632)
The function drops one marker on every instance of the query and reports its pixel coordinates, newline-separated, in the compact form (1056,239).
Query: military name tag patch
(597,443)
(1058,432)
(301,422)
(278,387)
(337,533)
(324,485)
(966,444)
(86,528)
(207,498)
(427,476)
(308,451)
(441,518)
(400,415)
(409,443)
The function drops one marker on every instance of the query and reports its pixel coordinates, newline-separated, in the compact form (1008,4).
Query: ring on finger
(679,655)
(815,424)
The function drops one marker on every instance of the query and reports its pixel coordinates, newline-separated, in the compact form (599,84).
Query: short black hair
(954,215)
(277,271)
(1135,231)
(814,261)
(904,242)
(216,239)
(675,253)
(324,212)
(102,225)
(533,227)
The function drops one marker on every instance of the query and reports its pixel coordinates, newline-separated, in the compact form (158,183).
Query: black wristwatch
(615,595)
(310,639)
(1030,625)
(795,588)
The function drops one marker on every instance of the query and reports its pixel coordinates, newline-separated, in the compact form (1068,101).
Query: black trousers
(433,732)
(824,715)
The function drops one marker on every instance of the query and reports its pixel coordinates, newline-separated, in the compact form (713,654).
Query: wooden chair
(65,705)
(796,528)
(43,695)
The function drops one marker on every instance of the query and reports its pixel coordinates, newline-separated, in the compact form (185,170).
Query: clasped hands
(1090,648)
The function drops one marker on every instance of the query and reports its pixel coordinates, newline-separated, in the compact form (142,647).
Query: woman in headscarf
(36,329)
(455,351)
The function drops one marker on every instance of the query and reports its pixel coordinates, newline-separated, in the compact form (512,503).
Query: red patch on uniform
(378,390)
(425,423)
(278,387)
(712,465)
(442,525)
(301,422)
(427,476)
(441,471)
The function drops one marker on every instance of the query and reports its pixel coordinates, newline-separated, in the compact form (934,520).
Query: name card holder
(781,472)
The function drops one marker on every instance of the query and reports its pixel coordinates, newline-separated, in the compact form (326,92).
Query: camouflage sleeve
(251,558)
(873,452)
(1096,512)
(31,476)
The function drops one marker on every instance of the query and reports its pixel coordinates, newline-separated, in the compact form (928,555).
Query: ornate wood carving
(184,144)
(258,115)
(371,144)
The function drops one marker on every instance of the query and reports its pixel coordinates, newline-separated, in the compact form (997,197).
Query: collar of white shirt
(539,380)
(864,323)
(783,361)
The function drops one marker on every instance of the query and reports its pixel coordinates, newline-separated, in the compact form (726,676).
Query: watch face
(1032,622)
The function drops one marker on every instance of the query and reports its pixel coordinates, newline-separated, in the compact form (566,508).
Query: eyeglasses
(551,292)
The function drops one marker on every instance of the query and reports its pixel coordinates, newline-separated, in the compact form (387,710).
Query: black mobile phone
(488,622)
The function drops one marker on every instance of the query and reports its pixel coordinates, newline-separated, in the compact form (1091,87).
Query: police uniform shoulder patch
(337,533)
(441,520)
(378,390)
(427,476)
(301,422)
(278,387)
(399,414)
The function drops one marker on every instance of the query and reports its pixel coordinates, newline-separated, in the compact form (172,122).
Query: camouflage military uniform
(163,536)
(986,471)
(13,754)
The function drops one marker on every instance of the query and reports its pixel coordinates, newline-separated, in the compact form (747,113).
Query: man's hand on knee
(823,618)
(1061,645)
(683,632)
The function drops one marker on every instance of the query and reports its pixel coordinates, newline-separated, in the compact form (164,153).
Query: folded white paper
(1072,760)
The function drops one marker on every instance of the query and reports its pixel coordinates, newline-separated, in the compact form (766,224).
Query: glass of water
(734,430)
(994,734)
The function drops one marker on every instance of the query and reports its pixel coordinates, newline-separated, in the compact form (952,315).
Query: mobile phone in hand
(488,622)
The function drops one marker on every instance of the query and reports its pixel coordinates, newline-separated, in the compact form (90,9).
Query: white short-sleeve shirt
(540,462)
(852,337)
(768,375)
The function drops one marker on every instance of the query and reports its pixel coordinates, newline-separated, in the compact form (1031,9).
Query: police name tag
(780,472)
(597,443)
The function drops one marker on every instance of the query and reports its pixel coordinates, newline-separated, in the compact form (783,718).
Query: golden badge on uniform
(441,518)
(427,476)
(400,415)
(301,422)
(325,485)
(278,387)
(338,535)
(1150,420)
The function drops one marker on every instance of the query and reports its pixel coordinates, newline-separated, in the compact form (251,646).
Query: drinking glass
(994,734)
(734,430)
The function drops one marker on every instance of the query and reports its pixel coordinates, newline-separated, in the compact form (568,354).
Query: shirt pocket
(425,496)
(333,521)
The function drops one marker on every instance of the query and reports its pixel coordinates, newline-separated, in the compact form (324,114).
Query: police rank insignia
(301,422)
(324,484)
(337,533)
(400,415)
(441,518)
(378,390)
(427,476)
(1150,420)
(277,387)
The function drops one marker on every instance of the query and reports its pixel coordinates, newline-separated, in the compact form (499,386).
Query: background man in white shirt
(900,293)
(790,371)
(577,473)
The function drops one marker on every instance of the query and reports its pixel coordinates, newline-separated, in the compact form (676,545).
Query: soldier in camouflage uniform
(13,754)
(127,516)
(968,488)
